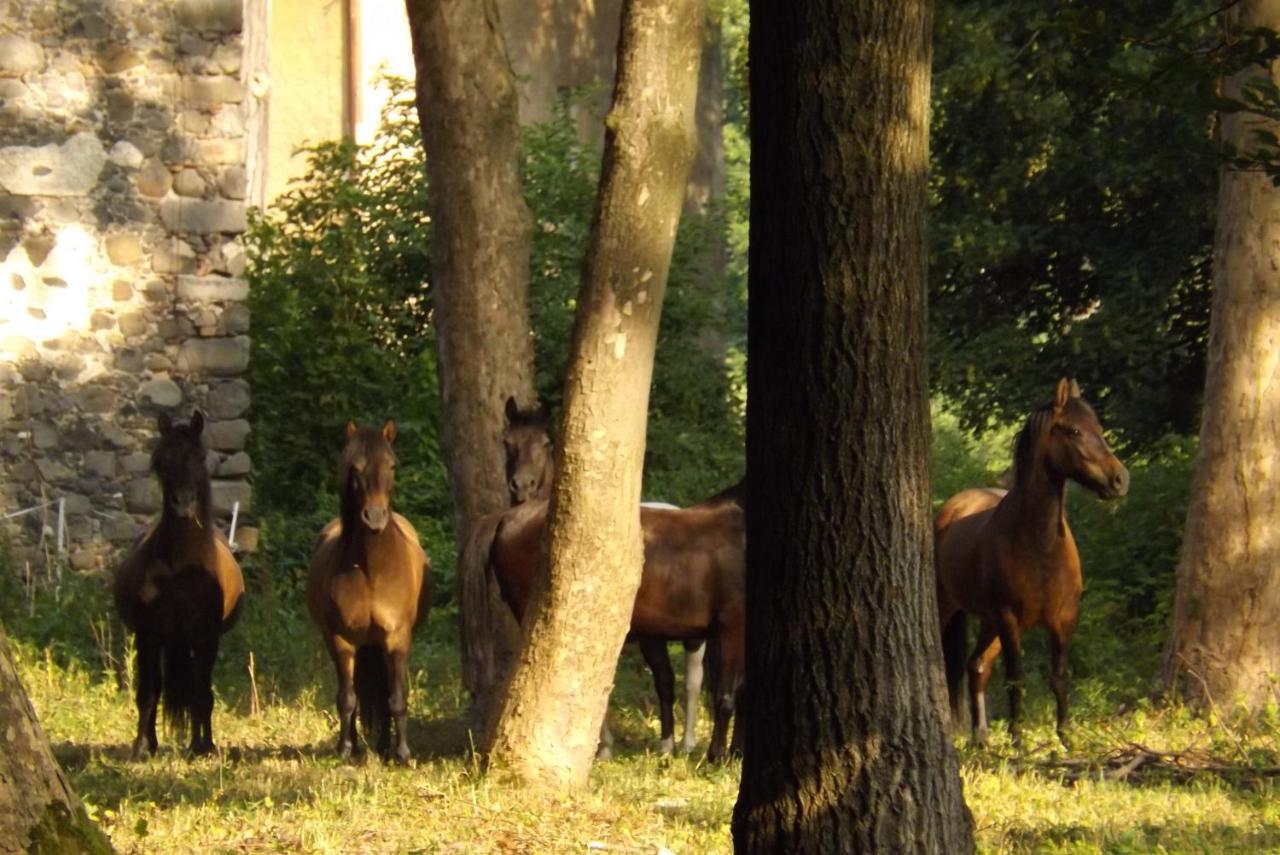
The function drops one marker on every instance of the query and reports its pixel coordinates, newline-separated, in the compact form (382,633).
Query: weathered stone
(124,249)
(34,371)
(117,436)
(203,216)
(172,256)
(180,148)
(154,180)
(157,362)
(194,122)
(235,465)
(216,356)
(227,435)
(228,121)
(136,463)
(68,365)
(212,288)
(212,91)
(247,538)
(19,55)
(6,407)
(228,400)
(30,401)
(96,399)
(70,169)
(142,496)
(133,323)
(227,493)
(120,528)
(235,319)
(43,435)
(234,182)
(221,152)
(121,58)
(101,320)
(13,90)
(227,57)
(226,16)
(53,470)
(189,183)
(126,155)
(121,291)
(19,347)
(101,463)
(85,559)
(232,258)
(161,391)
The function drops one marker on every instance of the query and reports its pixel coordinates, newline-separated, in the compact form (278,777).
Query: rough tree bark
(38,810)
(1224,646)
(549,720)
(480,239)
(845,749)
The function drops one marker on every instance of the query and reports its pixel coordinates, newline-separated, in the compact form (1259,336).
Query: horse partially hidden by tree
(368,588)
(691,589)
(178,590)
(1009,559)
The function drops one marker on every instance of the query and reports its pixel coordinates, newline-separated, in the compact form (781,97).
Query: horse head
(1076,448)
(179,464)
(367,475)
(530,454)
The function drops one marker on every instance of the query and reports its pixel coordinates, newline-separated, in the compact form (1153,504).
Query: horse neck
(1039,502)
(177,532)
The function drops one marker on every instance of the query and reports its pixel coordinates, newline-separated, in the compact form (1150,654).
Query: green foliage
(1071,226)
(341,306)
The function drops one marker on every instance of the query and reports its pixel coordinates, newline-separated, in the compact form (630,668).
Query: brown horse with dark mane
(369,587)
(1009,559)
(691,589)
(178,590)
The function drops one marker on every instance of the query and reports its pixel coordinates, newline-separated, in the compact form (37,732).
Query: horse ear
(389,430)
(197,423)
(1063,393)
(511,409)
(351,429)
(164,423)
(1075,389)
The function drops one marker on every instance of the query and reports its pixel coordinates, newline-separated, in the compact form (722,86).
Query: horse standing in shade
(178,590)
(1009,559)
(672,542)
(368,588)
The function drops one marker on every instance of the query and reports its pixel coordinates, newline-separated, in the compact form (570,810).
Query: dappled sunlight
(40,300)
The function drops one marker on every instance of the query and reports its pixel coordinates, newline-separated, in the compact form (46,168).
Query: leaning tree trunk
(549,720)
(38,810)
(1224,647)
(845,749)
(480,280)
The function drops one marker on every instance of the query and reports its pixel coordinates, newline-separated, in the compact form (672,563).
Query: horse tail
(954,654)
(178,686)
(373,689)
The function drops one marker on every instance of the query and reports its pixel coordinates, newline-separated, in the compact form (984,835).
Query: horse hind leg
(147,694)
(728,678)
(664,682)
(604,750)
(1059,678)
(984,654)
(694,652)
(954,639)
(1011,641)
(397,702)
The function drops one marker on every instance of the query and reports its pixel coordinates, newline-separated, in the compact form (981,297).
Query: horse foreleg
(398,704)
(147,694)
(730,650)
(205,652)
(344,664)
(988,647)
(1059,679)
(604,751)
(1011,641)
(694,651)
(664,682)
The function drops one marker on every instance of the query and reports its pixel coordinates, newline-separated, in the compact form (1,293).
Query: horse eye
(1075,431)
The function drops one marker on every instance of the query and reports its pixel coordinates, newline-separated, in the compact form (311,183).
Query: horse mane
(1024,446)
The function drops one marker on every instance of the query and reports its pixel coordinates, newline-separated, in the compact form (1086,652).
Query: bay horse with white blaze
(178,590)
(368,588)
(1010,560)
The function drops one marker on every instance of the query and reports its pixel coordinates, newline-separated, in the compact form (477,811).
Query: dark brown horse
(369,587)
(1008,558)
(178,590)
(530,469)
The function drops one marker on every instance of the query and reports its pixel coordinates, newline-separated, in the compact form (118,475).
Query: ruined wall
(122,196)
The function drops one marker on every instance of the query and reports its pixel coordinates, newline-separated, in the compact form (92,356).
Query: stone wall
(122,198)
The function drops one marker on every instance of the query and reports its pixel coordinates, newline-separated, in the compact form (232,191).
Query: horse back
(959,530)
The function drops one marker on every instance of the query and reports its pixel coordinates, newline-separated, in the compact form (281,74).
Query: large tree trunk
(551,715)
(1225,643)
(38,810)
(845,749)
(480,280)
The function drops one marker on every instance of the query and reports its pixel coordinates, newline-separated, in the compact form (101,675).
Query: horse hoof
(688,747)
(141,751)
(604,752)
(667,747)
(403,755)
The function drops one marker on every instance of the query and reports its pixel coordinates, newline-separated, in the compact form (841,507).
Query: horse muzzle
(375,517)
(1116,483)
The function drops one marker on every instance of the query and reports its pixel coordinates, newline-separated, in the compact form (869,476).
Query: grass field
(275,786)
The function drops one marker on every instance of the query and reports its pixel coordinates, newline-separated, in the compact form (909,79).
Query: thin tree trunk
(480,241)
(845,749)
(38,810)
(1224,647)
(550,718)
